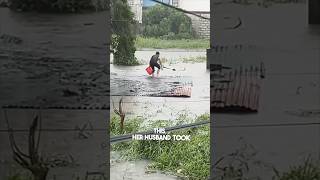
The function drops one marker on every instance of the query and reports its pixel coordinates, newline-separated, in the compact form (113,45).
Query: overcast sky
(190,5)
(150,3)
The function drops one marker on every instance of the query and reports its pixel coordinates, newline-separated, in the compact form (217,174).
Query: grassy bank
(198,59)
(188,159)
(309,170)
(156,43)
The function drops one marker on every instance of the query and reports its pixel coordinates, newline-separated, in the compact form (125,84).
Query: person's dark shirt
(154,59)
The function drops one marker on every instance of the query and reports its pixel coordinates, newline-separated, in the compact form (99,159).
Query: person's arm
(160,64)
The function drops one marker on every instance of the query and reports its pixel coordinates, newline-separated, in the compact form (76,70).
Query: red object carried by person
(149,70)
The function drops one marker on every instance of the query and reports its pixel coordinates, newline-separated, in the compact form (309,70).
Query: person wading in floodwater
(154,63)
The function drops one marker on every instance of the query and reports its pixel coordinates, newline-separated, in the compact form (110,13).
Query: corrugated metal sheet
(236,90)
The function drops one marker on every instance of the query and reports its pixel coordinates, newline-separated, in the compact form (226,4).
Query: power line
(182,10)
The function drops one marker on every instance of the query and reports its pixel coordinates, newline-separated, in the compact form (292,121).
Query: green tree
(124,34)
(166,23)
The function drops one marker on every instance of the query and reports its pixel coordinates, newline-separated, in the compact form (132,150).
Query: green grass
(186,159)
(190,159)
(20,175)
(131,125)
(309,170)
(156,43)
(199,59)
(192,60)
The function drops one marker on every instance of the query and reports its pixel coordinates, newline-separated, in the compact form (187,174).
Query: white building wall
(136,8)
(195,5)
(201,7)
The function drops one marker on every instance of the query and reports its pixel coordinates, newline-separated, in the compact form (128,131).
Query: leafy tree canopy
(124,34)
(166,23)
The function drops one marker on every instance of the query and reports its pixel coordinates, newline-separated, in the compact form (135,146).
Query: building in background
(136,8)
(174,2)
(201,7)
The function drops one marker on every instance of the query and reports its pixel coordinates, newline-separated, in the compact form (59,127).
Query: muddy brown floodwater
(167,108)
(134,85)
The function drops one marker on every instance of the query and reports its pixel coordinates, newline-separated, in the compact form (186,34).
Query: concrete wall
(201,26)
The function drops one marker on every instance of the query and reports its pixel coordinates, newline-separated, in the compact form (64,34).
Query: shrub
(157,43)
(187,159)
(167,23)
(124,36)
(309,170)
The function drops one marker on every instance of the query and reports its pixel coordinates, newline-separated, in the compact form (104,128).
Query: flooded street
(166,108)
(58,59)
(132,82)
